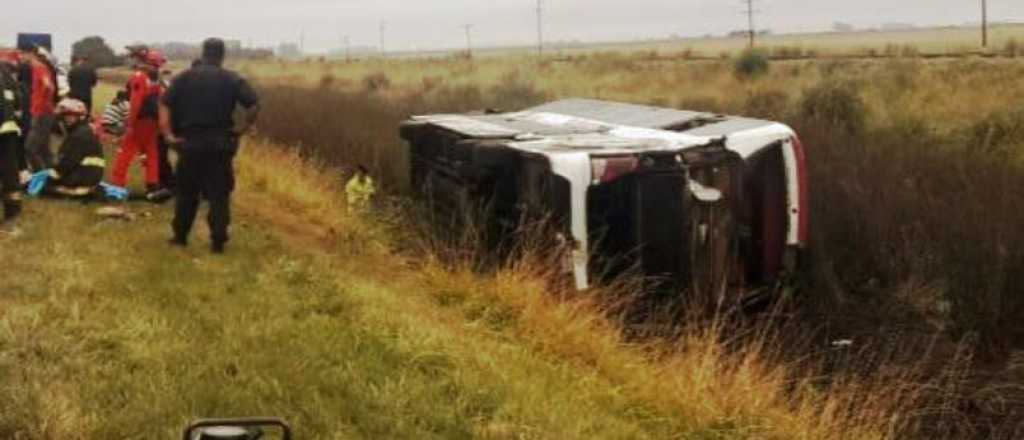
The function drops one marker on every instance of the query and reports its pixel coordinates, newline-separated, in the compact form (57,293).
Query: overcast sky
(426,24)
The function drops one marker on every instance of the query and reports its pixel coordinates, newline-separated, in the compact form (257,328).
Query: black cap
(213,49)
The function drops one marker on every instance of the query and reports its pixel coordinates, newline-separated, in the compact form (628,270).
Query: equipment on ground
(37,182)
(114,192)
(251,428)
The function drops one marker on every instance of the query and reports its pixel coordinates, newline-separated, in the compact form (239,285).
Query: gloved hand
(37,182)
(114,192)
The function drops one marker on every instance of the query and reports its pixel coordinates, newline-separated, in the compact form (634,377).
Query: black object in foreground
(247,428)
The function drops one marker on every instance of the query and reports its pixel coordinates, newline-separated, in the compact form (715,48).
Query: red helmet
(10,56)
(152,58)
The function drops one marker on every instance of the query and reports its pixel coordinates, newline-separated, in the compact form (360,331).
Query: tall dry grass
(916,249)
(345,127)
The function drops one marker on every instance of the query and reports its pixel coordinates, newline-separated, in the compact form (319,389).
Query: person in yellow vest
(359,190)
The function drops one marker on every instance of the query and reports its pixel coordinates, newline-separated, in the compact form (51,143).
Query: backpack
(150,107)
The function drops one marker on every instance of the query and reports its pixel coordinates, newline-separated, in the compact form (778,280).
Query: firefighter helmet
(154,58)
(10,56)
(68,106)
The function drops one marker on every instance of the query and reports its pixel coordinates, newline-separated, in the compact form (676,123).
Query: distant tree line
(97,52)
(188,51)
(100,54)
(744,33)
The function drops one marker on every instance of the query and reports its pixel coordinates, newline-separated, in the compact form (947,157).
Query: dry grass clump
(751,64)
(1013,48)
(720,376)
(376,82)
(361,127)
(904,205)
(834,105)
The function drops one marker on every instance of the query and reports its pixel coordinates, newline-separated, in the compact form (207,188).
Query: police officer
(82,79)
(196,113)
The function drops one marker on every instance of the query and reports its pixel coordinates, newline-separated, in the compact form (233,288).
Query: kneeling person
(80,166)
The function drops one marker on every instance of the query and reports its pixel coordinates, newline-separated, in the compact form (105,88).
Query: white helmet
(68,106)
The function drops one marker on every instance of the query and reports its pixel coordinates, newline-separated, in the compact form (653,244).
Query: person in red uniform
(43,92)
(142,127)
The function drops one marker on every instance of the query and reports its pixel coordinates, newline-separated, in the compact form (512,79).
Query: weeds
(751,64)
(1000,134)
(516,93)
(768,104)
(1013,48)
(914,232)
(376,82)
(835,105)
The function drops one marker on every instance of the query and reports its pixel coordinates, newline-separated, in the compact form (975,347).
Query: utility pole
(540,28)
(750,22)
(984,23)
(469,40)
(383,27)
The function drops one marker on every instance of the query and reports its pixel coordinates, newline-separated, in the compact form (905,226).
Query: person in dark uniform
(12,99)
(196,112)
(82,79)
(25,78)
(81,165)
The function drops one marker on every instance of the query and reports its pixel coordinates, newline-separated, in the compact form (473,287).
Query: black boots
(216,247)
(12,208)
(156,194)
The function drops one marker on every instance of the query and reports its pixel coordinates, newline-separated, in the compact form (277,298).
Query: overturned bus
(696,200)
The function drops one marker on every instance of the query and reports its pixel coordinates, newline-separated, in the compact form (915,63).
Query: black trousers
(207,174)
(10,187)
(166,170)
(9,146)
(26,125)
(37,142)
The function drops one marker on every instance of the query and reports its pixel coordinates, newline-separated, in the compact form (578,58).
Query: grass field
(947,40)
(891,143)
(353,326)
(315,316)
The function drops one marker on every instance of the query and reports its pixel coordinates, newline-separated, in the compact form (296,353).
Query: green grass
(329,320)
(106,332)
(314,315)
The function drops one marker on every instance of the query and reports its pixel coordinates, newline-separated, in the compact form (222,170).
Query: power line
(540,28)
(469,39)
(984,23)
(751,28)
